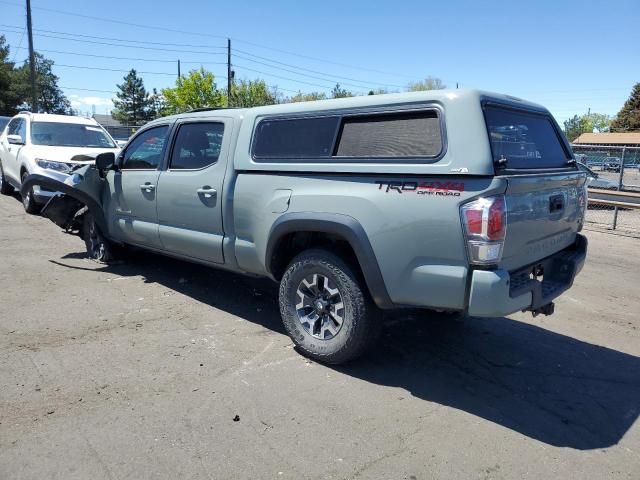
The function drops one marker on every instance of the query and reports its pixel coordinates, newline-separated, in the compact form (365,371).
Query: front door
(133,188)
(11,162)
(190,191)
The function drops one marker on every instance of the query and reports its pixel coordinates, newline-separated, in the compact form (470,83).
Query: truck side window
(197,146)
(393,135)
(145,151)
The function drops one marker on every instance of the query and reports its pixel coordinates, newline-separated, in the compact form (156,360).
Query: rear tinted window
(521,139)
(350,138)
(404,135)
(299,137)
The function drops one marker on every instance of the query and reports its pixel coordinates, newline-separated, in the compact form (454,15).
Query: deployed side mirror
(105,161)
(15,139)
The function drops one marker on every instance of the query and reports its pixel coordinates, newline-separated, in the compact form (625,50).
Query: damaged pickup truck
(458,201)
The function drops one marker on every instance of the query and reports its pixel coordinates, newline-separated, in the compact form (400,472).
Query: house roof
(106,120)
(627,138)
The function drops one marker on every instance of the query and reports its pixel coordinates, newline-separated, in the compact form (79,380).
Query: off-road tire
(361,323)
(5,187)
(98,247)
(29,201)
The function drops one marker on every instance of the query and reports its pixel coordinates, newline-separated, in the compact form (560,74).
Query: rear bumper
(495,293)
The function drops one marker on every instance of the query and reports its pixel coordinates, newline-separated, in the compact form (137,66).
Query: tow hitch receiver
(547,309)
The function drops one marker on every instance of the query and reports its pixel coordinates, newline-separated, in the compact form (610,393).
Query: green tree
(308,97)
(9,97)
(339,92)
(51,99)
(157,104)
(252,93)
(197,90)
(587,123)
(133,103)
(628,119)
(378,91)
(429,83)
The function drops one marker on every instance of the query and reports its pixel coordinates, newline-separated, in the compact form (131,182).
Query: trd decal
(441,189)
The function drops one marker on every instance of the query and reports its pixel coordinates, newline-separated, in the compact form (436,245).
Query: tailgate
(544,213)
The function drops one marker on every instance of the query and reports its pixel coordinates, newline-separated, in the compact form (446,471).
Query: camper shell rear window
(524,139)
(403,136)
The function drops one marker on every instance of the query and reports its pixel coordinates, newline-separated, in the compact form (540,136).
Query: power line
(301,74)
(310,70)
(89,90)
(124,46)
(185,32)
(190,45)
(283,78)
(84,67)
(124,58)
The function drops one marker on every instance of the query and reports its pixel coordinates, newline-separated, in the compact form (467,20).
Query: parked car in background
(3,123)
(460,201)
(612,164)
(597,181)
(580,158)
(49,145)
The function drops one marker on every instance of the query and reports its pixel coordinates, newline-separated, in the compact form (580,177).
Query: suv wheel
(98,247)
(325,308)
(28,200)
(5,188)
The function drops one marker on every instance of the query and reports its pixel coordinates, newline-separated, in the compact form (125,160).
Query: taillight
(485,224)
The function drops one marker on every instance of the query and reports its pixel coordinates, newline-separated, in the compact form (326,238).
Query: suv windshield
(524,139)
(69,135)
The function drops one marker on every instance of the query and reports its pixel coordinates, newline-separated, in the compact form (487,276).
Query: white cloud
(85,103)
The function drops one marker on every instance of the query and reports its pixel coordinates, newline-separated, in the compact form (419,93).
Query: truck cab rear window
(524,140)
(350,137)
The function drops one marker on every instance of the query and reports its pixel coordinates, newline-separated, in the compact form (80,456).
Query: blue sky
(567,55)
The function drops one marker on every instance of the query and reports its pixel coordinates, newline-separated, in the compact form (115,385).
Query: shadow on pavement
(544,385)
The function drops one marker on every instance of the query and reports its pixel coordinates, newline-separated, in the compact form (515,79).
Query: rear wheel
(325,308)
(28,199)
(5,188)
(98,247)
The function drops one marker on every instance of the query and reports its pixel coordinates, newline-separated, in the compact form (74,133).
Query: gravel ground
(161,369)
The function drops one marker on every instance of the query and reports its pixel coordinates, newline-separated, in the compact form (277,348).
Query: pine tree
(133,103)
(628,119)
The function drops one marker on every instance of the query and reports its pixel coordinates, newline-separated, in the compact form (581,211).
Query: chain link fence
(614,187)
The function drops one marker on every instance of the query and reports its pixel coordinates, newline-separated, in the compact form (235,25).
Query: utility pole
(229,73)
(179,69)
(32,62)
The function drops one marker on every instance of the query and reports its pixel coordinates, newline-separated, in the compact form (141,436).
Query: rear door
(134,188)
(190,190)
(545,195)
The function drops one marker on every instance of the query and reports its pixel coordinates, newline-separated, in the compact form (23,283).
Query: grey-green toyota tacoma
(453,200)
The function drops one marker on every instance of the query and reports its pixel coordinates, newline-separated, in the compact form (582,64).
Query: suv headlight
(53,165)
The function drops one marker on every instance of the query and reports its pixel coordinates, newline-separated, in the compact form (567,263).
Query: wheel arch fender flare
(340,225)
(94,207)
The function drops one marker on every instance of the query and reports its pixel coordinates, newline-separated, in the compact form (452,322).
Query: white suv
(51,145)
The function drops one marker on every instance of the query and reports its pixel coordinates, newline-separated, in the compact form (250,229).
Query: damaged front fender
(79,193)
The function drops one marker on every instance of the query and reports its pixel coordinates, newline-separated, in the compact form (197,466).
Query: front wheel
(98,247)
(28,199)
(326,309)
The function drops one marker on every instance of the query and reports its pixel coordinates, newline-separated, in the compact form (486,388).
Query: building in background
(117,130)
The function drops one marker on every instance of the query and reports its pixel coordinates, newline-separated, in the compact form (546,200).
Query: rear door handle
(207,192)
(147,187)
